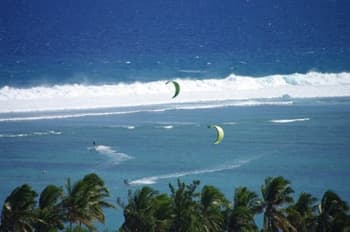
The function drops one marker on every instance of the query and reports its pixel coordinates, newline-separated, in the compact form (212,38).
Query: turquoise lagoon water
(307,142)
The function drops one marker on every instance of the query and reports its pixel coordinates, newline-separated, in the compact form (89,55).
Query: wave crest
(234,87)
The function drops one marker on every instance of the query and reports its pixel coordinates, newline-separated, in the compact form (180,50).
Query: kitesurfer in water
(126,182)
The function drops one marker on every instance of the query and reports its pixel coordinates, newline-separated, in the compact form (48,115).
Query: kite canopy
(220,133)
(177,87)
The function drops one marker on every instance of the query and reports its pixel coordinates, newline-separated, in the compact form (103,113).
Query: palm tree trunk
(266,223)
(267,220)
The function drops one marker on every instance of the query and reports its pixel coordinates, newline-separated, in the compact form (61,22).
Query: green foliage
(84,201)
(162,212)
(334,213)
(302,213)
(185,216)
(78,229)
(245,205)
(139,212)
(18,210)
(212,204)
(146,211)
(82,204)
(50,210)
(276,193)
(186,208)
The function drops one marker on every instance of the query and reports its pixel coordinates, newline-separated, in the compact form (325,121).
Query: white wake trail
(154,179)
(289,120)
(115,157)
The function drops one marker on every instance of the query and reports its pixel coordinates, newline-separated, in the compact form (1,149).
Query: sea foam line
(233,87)
(76,115)
(50,132)
(154,179)
(168,127)
(289,120)
(187,106)
(229,123)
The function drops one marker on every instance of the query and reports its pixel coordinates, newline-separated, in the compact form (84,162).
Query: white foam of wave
(234,103)
(13,135)
(64,116)
(154,179)
(234,87)
(192,71)
(50,132)
(178,123)
(290,120)
(187,106)
(116,157)
(129,127)
(168,127)
(229,123)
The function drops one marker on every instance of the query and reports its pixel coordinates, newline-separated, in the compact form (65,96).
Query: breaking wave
(233,87)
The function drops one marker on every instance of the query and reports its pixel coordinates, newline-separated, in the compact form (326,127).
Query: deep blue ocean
(275,75)
(90,41)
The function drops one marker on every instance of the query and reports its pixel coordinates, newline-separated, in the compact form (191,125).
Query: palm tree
(162,212)
(146,211)
(84,201)
(75,204)
(185,216)
(138,213)
(276,192)
(245,205)
(77,229)
(334,213)
(211,205)
(97,193)
(18,210)
(301,214)
(50,209)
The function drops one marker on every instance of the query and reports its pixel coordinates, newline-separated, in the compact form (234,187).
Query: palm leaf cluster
(79,206)
(187,208)
(82,204)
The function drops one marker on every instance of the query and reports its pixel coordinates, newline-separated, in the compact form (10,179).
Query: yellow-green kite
(220,133)
(177,87)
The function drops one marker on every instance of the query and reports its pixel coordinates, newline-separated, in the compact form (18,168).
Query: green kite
(220,133)
(177,87)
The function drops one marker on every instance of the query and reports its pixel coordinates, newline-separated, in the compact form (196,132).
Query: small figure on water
(126,182)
